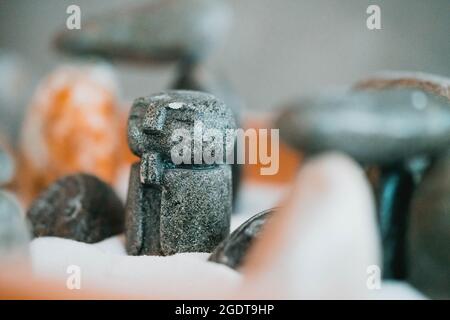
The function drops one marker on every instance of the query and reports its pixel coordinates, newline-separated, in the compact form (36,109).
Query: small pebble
(14,234)
(233,250)
(162,31)
(322,241)
(429,232)
(80,207)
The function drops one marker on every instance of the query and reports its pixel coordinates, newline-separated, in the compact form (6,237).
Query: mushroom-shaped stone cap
(154,121)
(163,31)
(7,167)
(374,127)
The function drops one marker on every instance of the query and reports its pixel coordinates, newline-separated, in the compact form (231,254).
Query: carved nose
(154,119)
(151,168)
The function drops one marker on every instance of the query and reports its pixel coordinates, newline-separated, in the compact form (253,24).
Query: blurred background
(275,50)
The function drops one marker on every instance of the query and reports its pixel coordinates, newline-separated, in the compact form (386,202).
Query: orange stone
(73,125)
(289,160)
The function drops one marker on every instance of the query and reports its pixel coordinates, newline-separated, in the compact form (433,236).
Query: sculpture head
(155,121)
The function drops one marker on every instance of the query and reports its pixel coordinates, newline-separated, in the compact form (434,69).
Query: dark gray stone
(429,232)
(398,181)
(80,207)
(394,123)
(7,167)
(163,31)
(382,127)
(14,234)
(194,77)
(188,212)
(177,207)
(233,250)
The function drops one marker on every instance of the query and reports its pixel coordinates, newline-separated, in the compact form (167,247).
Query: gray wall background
(276,49)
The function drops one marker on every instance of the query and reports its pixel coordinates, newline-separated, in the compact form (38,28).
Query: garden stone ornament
(178,206)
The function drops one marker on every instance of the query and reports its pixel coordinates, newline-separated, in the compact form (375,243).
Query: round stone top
(373,126)
(162,31)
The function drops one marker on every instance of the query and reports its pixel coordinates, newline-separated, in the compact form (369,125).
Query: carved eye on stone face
(154,119)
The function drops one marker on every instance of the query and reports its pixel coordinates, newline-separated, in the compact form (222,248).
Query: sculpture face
(155,120)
